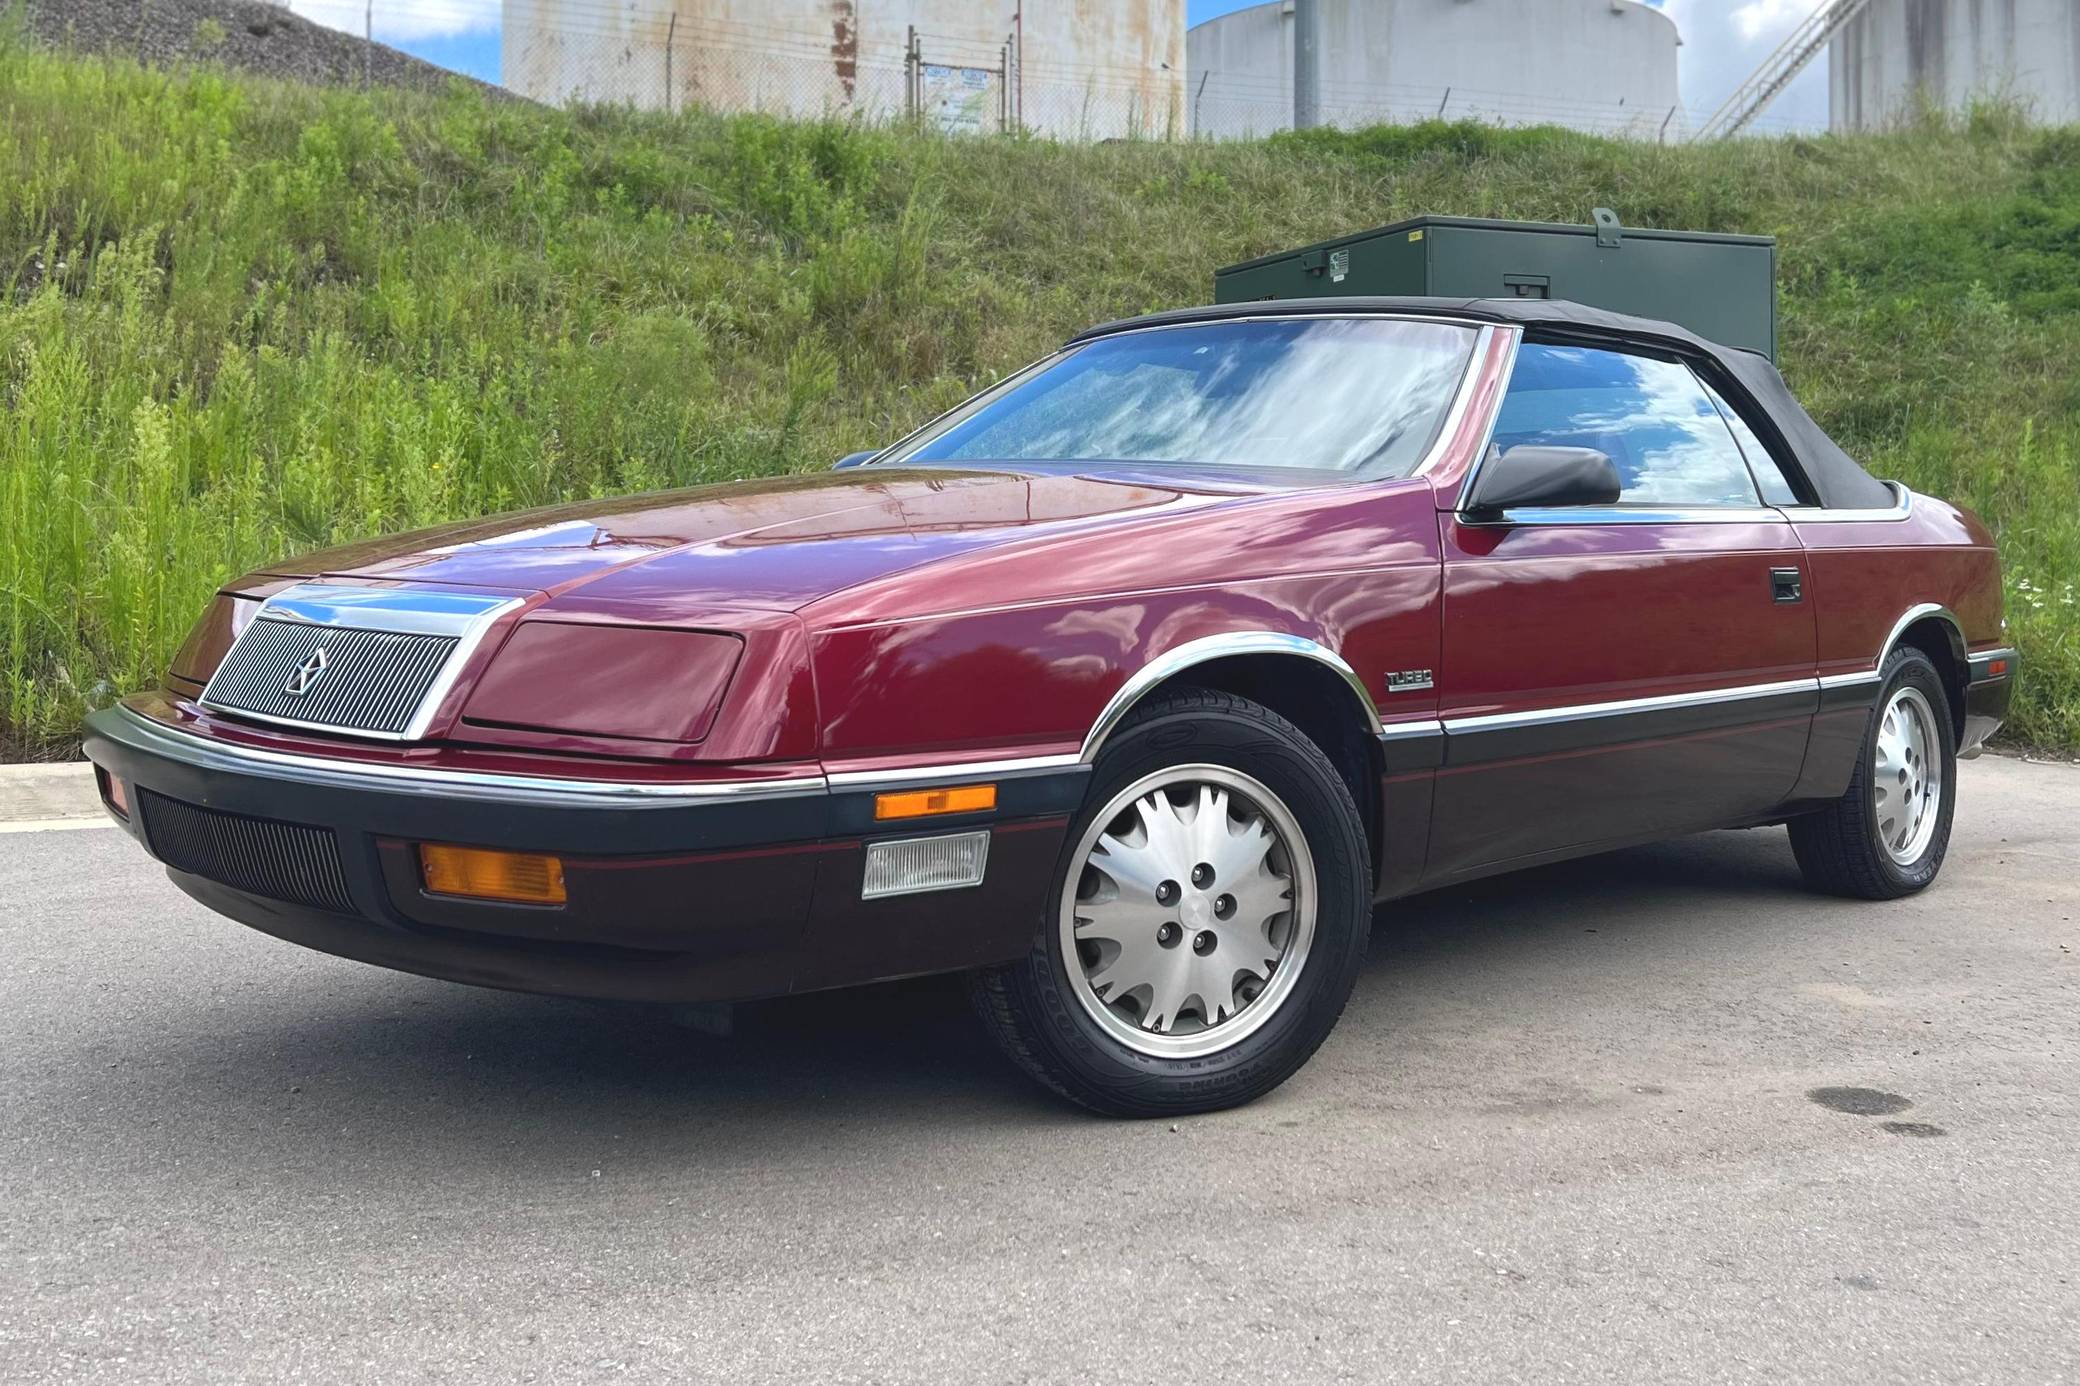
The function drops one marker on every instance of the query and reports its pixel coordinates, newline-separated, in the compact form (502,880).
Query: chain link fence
(960,84)
(661,55)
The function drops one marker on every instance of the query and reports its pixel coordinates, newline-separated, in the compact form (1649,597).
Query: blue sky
(1723,40)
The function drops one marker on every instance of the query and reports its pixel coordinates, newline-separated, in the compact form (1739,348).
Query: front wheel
(1888,835)
(1209,918)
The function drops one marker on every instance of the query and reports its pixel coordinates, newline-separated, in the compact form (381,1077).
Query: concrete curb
(48,795)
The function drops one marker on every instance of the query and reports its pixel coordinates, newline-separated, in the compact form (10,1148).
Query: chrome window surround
(1821,515)
(1462,398)
(1462,402)
(1629,515)
(464,617)
(1480,453)
(1689,515)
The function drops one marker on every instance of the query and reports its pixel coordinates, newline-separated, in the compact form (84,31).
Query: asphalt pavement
(1659,1116)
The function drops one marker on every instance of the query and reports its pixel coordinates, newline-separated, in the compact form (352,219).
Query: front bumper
(716,890)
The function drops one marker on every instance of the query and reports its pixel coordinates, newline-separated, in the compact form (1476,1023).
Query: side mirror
(1530,475)
(854,459)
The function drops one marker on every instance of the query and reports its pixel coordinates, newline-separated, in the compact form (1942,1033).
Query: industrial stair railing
(1768,81)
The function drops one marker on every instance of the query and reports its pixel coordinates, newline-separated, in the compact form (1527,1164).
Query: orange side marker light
(922,803)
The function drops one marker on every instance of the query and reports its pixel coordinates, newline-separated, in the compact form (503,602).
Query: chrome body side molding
(1461,726)
(912,776)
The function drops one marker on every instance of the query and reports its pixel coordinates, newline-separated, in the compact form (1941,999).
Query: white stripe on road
(54,825)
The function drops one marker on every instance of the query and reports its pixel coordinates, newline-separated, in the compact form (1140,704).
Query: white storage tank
(1602,65)
(1897,52)
(1070,68)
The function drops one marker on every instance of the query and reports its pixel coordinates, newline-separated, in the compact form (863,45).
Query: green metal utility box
(1721,287)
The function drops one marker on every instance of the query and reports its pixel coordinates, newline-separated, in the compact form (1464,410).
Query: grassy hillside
(239,319)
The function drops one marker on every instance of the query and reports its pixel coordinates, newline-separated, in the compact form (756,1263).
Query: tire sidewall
(1291,768)
(1912,667)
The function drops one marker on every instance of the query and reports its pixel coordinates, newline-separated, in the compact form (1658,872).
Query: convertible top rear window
(1355,396)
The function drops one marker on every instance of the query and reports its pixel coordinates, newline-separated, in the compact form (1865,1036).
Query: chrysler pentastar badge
(307,673)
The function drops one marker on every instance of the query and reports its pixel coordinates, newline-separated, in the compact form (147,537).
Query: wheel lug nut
(1203,944)
(1167,893)
(1202,875)
(1168,935)
(1223,906)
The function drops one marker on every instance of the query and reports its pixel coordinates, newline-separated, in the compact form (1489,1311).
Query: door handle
(1786,584)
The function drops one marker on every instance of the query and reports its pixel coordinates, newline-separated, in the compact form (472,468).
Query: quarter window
(1776,486)
(1651,417)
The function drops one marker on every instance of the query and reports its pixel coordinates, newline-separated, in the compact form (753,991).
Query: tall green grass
(239,319)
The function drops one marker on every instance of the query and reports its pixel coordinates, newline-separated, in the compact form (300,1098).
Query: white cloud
(1723,43)
(404,19)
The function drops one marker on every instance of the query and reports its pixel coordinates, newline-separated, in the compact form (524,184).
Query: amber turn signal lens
(1997,668)
(521,877)
(922,803)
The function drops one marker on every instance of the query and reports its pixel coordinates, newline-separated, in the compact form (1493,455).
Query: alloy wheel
(1906,776)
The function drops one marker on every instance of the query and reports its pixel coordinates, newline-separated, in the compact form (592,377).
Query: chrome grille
(282,861)
(369,661)
(371,680)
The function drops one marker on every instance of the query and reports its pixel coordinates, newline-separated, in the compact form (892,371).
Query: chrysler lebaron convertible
(1129,688)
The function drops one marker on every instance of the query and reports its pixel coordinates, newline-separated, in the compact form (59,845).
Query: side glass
(1769,475)
(1649,416)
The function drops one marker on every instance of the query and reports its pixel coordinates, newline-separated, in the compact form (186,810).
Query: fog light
(525,878)
(114,793)
(920,803)
(925,863)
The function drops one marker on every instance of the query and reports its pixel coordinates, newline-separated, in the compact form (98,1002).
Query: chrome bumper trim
(206,753)
(1983,660)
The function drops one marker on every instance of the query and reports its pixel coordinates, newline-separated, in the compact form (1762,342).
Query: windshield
(1355,396)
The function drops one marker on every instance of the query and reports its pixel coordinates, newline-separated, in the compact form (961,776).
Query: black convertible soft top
(1743,376)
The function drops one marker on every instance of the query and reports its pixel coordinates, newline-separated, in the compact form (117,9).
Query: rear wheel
(1209,919)
(1888,835)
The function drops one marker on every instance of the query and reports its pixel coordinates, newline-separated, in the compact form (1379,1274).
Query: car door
(1618,672)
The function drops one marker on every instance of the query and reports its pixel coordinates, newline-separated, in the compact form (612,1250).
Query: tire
(1150,1050)
(1844,849)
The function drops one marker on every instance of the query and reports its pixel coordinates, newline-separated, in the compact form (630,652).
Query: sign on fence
(959,100)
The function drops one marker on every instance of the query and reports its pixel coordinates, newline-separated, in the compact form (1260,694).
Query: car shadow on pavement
(1654,889)
(357,1057)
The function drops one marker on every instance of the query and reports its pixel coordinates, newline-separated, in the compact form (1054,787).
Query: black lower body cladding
(727,900)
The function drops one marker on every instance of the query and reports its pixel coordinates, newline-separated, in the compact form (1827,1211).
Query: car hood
(777,543)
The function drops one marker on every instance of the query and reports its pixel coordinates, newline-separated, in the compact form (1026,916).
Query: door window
(1651,417)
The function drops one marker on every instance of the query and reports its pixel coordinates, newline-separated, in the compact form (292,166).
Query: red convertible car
(1130,687)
